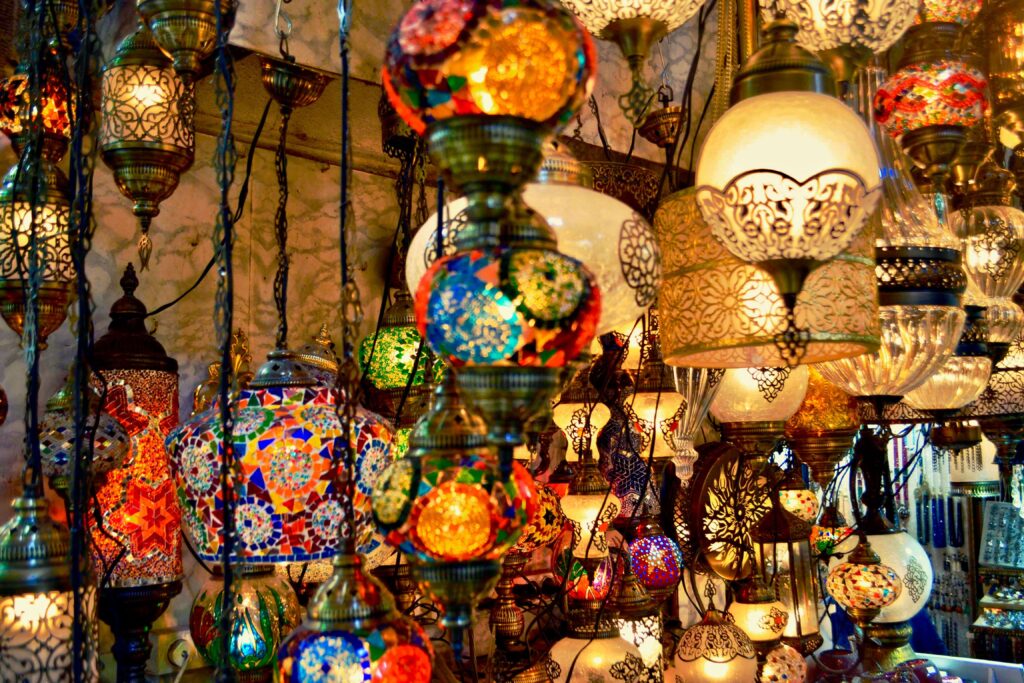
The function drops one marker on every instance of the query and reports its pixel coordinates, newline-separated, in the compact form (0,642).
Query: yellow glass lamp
(715,651)
(822,430)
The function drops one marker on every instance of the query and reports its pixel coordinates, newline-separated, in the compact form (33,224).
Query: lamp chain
(281,230)
(725,57)
(223,242)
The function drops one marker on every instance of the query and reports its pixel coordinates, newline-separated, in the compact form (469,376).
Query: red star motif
(152,522)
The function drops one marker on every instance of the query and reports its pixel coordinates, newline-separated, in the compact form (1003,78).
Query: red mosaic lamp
(137,550)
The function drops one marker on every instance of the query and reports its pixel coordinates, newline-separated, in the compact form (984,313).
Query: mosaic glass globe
(872,25)
(857,586)
(951,11)
(526,307)
(715,650)
(266,610)
(546,524)
(784,665)
(802,503)
(587,578)
(524,58)
(656,561)
(289,506)
(53,114)
(939,93)
(912,565)
(393,358)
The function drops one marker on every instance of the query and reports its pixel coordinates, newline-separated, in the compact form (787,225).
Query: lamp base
(457,587)
(54,298)
(755,440)
(934,148)
(507,619)
(886,646)
(821,453)
(130,613)
(398,580)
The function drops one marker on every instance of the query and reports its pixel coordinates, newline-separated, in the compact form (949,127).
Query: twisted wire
(281,230)
(223,237)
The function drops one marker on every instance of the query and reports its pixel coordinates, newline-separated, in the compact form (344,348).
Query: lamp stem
(748,28)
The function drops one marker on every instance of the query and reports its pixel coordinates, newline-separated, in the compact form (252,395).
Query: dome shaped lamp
(531,310)
(715,650)
(147,131)
(753,405)
(782,556)
(635,28)
(846,36)
(783,101)
(445,507)
(595,651)
(758,611)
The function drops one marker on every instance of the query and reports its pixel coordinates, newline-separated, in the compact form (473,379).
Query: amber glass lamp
(138,546)
(531,309)
(16,114)
(147,130)
(749,155)
(822,430)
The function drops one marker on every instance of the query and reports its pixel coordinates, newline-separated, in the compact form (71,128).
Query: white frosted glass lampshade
(958,382)
(572,419)
(595,660)
(596,15)
(761,621)
(912,564)
(788,175)
(615,242)
(645,634)
(714,651)
(660,414)
(829,24)
(916,341)
(589,513)
(760,394)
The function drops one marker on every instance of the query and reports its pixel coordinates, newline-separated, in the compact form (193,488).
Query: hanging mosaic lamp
(352,632)
(753,405)
(715,650)
(266,611)
(53,110)
(930,102)
(137,548)
(822,430)
(698,387)
(847,36)
(796,498)
(36,598)
(45,209)
(720,312)
(635,28)
(610,238)
(862,585)
(961,12)
(447,508)
(507,310)
(784,664)
(782,101)
(829,531)
(286,437)
(991,232)
(656,560)
(110,443)
(147,130)
(920,282)
(186,30)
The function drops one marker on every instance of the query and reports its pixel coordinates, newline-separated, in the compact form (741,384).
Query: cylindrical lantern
(138,545)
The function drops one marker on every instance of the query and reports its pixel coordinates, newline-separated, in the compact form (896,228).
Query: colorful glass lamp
(447,508)
(138,547)
(507,310)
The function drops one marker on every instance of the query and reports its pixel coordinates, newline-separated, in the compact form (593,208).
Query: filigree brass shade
(187,30)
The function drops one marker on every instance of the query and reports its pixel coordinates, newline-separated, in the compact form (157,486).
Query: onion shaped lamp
(446,507)
(783,664)
(147,130)
(782,101)
(847,35)
(715,649)
(266,610)
(862,585)
(753,405)
(507,310)
(757,610)
(53,115)
(138,547)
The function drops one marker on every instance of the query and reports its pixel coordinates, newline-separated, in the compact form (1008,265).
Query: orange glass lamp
(822,430)
(139,544)
(446,507)
(507,310)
